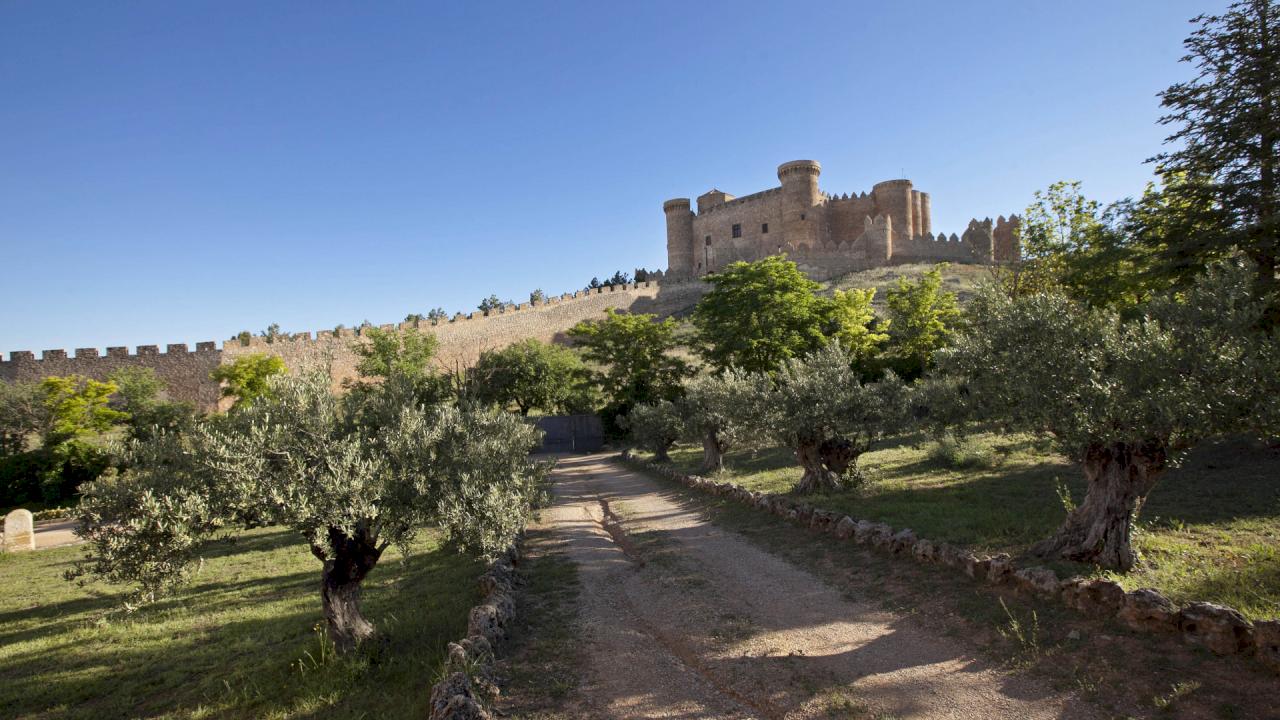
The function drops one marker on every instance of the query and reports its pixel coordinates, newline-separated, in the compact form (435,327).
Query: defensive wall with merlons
(461,340)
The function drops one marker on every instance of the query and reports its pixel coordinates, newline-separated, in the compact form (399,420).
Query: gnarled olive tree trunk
(841,457)
(817,477)
(346,564)
(660,453)
(713,449)
(1099,531)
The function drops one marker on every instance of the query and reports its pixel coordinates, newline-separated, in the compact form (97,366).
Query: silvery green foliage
(1192,367)
(820,397)
(723,403)
(298,460)
(656,426)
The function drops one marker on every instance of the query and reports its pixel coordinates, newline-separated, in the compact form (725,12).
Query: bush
(74,462)
(21,475)
(959,453)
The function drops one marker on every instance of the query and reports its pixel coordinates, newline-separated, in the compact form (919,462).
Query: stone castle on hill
(826,235)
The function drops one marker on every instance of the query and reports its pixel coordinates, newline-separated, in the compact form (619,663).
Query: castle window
(801,216)
(737,230)
(708,241)
(764,228)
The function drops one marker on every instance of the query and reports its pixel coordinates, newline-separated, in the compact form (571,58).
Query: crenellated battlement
(739,202)
(263,344)
(113,352)
(462,338)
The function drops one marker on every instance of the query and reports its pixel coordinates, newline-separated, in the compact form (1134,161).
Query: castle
(824,234)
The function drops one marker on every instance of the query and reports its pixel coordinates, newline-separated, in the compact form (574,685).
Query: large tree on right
(1227,139)
(1124,398)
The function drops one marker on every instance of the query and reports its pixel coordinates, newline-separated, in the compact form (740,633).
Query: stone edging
(1218,628)
(468,685)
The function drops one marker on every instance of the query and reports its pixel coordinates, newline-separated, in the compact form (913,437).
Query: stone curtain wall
(185,373)
(462,339)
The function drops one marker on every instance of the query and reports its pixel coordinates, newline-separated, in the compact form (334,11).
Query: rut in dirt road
(682,619)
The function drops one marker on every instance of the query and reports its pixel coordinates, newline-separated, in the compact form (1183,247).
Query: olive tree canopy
(296,458)
(1123,398)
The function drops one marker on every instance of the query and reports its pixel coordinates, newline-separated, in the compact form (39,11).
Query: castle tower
(800,195)
(679,237)
(894,198)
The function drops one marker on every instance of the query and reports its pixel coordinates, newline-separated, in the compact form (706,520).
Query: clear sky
(177,172)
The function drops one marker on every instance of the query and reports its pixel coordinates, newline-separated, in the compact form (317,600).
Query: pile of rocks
(1220,629)
(468,686)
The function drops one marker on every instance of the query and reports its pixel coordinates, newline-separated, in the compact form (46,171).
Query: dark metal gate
(571,433)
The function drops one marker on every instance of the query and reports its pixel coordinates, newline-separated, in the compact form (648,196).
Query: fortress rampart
(826,235)
(462,339)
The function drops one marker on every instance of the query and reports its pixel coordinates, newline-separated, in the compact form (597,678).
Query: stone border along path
(682,618)
(1218,628)
(467,687)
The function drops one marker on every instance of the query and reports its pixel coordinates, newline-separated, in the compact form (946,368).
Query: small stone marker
(19,531)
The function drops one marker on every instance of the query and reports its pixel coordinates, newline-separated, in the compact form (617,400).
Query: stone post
(19,531)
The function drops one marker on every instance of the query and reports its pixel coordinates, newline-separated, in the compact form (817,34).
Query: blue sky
(177,172)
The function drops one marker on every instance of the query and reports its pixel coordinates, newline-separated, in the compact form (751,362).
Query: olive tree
(295,458)
(820,408)
(717,411)
(655,427)
(1124,398)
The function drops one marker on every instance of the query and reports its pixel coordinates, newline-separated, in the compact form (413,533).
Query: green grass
(1209,531)
(242,641)
(540,662)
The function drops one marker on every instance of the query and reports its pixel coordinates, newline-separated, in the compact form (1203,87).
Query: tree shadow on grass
(240,648)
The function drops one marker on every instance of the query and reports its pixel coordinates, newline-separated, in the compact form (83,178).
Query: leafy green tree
(537,296)
(490,303)
(760,314)
(717,411)
(1125,398)
(414,318)
(140,394)
(23,416)
(530,374)
(820,408)
(293,458)
(655,427)
(136,387)
(437,315)
(273,333)
(635,355)
(923,318)
(619,278)
(387,352)
(853,323)
(78,406)
(1227,138)
(247,377)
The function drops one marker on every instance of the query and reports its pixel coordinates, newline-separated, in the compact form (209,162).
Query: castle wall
(185,373)
(461,340)
(751,212)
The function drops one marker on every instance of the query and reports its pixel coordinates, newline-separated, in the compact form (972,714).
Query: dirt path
(681,619)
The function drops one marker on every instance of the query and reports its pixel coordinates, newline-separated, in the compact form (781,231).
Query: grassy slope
(240,642)
(1209,531)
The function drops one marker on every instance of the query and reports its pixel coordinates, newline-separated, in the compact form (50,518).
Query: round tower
(893,198)
(679,237)
(800,196)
